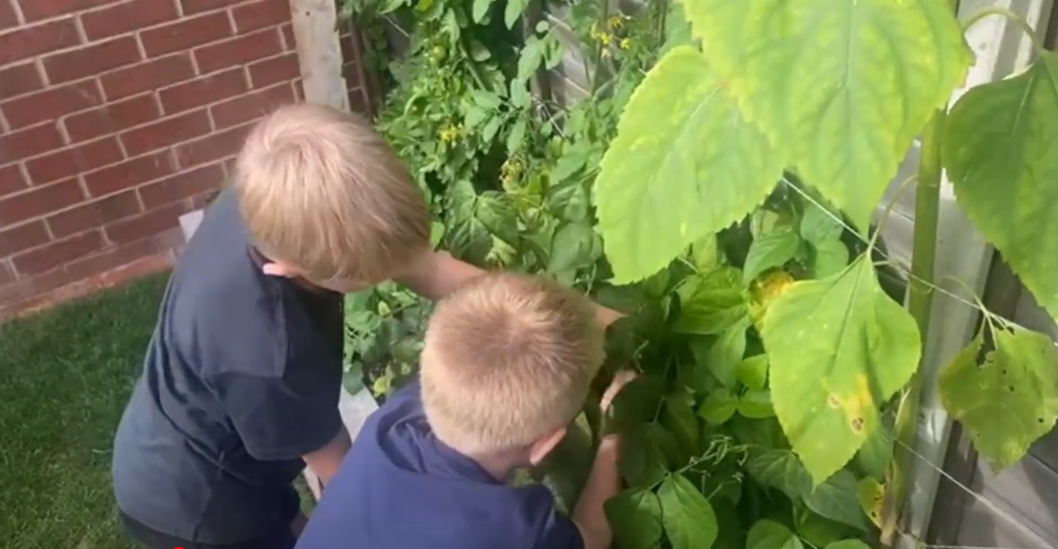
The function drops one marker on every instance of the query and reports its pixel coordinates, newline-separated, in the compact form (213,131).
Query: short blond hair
(507,360)
(320,189)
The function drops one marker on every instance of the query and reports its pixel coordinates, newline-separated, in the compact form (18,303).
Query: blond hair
(507,360)
(321,190)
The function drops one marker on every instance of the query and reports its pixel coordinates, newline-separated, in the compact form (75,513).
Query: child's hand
(619,381)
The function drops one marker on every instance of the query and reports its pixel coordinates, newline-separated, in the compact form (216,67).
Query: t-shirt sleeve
(560,533)
(283,417)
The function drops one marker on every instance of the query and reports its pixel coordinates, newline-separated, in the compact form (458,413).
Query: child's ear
(542,447)
(279,269)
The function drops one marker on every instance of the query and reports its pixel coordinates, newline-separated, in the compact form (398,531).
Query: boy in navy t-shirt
(506,367)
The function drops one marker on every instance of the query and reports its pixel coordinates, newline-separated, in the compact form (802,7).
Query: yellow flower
(449,134)
(625,43)
(616,21)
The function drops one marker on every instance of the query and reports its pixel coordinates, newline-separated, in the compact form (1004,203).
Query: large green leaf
(683,164)
(690,522)
(1001,152)
(768,534)
(840,87)
(839,347)
(1009,401)
(649,451)
(635,517)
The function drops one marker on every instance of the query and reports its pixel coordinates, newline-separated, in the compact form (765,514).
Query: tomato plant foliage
(715,181)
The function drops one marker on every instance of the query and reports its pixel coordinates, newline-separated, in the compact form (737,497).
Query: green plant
(763,86)
(727,157)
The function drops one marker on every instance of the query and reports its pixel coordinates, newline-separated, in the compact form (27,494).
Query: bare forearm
(604,482)
(326,461)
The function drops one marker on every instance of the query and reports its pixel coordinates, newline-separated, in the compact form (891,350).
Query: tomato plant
(716,182)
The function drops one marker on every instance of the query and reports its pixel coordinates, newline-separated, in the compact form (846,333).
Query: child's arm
(326,461)
(439,274)
(604,482)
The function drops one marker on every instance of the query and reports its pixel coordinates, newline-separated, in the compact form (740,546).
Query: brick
(22,237)
(203,91)
(290,43)
(57,253)
(112,118)
(91,60)
(251,106)
(299,90)
(209,149)
(39,201)
(74,160)
(182,186)
(238,51)
(199,6)
(12,180)
(200,201)
(272,71)
(166,132)
(111,259)
(19,145)
(147,76)
(7,274)
(147,224)
(8,19)
(261,14)
(35,10)
(29,292)
(36,40)
(186,34)
(51,104)
(129,174)
(95,214)
(19,79)
(126,17)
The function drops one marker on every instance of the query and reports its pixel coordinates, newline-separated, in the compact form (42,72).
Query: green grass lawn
(65,376)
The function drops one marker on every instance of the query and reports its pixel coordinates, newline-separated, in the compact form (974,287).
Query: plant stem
(1010,16)
(923,258)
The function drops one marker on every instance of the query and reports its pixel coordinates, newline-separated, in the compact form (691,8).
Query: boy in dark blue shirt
(505,368)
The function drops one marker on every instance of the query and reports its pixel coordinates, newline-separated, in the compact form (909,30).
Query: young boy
(506,367)
(242,377)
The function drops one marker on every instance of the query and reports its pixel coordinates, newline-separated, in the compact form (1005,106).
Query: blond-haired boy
(506,367)
(241,381)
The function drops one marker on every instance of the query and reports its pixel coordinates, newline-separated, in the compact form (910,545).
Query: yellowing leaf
(690,522)
(838,348)
(1001,152)
(683,164)
(840,87)
(871,494)
(1009,401)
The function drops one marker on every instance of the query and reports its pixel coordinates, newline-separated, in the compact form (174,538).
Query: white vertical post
(319,52)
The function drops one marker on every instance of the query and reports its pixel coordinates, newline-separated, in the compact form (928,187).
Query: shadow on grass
(65,376)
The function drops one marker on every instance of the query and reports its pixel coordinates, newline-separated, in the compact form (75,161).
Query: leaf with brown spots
(1010,400)
(838,348)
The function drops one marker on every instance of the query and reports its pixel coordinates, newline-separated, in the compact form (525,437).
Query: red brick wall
(116,117)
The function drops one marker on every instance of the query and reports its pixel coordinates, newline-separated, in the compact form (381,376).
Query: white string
(900,265)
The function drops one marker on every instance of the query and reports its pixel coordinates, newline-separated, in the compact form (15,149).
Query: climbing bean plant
(716,183)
